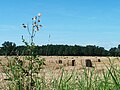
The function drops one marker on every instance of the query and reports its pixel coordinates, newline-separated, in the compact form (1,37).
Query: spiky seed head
(24,26)
(38,20)
(35,18)
(39,14)
(40,26)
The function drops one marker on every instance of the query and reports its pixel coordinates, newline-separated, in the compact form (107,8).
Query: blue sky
(81,22)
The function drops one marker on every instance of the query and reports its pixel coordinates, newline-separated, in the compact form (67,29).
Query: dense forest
(10,48)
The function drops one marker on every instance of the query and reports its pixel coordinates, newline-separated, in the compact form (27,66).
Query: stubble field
(54,66)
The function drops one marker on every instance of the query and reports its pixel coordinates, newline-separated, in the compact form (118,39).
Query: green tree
(8,48)
(113,52)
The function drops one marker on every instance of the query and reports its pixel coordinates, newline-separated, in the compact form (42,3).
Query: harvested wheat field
(54,65)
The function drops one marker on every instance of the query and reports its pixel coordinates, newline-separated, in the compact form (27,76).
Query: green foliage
(8,48)
(62,50)
(23,73)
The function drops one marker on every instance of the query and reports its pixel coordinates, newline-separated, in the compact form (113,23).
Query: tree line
(10,48)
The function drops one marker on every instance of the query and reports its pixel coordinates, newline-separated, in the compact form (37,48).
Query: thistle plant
(35,27)
(22,73)
(34,62)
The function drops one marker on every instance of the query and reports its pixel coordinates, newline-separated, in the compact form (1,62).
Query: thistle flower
(36,28)
(34,22)
(38,20)
(35,25)
(25,26)
(40,26)
(34,18)
(39,14)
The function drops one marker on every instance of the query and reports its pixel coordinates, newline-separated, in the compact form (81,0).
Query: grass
(87,79)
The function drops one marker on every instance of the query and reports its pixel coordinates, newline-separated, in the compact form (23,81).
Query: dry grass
(53,69)
(52,62)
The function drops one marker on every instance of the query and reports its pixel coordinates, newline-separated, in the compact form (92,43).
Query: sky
(80,22)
